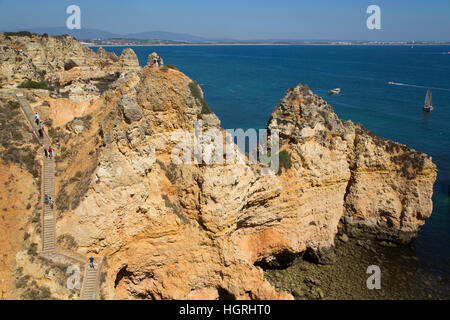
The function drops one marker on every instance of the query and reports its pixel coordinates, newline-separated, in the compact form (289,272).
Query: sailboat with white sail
(428,106)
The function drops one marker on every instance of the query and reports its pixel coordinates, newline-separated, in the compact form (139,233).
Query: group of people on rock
(155,61)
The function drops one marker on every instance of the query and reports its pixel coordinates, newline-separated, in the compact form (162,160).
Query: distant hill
(163,35)
(79,34)
(88,34)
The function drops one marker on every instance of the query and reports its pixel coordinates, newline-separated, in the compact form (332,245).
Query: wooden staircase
(92,276)
(91,281)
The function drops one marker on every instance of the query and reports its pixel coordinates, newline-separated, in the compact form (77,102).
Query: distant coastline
(258,44)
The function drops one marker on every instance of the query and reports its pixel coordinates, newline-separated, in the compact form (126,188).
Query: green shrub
(37,293)
(13,104)
(22,282)
(48,122)
(53,133)
(63,199)
(30,84)
(32,250)
(67,241)
(285,160)
(197,94)
(18,34)
(17,135)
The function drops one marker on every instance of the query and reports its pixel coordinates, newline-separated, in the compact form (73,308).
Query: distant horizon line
(116,36)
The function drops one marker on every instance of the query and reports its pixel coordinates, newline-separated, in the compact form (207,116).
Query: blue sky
(243,19)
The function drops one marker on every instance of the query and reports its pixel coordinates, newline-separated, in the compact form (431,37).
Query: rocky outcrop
(389,193)
(388,186)
(128,60)
(131,111)
(15,66)
(80,92)
(200,231)
(58,60)
(203,230)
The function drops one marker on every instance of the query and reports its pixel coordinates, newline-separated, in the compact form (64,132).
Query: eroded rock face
(193,231)
(200,230)
(132,112)
(388,186)
(15,66)
(128,60)
(58,60)
(80,92)
(389,193)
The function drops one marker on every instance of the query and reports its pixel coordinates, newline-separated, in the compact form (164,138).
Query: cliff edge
(206,231)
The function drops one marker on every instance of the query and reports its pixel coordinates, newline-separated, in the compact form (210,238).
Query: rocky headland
(191,231)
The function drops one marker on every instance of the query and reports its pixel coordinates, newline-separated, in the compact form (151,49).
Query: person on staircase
(36,118)
(41,133)
(51,203)
(45,152)
(50,152)
(46,199)
(91,262)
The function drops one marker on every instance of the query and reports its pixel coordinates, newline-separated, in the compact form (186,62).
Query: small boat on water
(428,106)
(391,82)
(335,91)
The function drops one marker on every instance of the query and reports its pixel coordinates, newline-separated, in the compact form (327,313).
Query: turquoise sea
(243,84)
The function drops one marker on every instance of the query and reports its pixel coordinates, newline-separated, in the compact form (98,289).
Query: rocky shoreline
(402,277)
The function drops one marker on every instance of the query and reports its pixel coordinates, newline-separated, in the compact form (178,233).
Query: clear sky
(242,19)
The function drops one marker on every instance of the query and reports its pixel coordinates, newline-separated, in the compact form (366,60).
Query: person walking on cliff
(50,152)
(45,152)
(51,203)
(46,199)
(91,262)
(57,144)
(36,118)
(41,133)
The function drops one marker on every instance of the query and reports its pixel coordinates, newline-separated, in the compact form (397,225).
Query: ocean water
(243,84)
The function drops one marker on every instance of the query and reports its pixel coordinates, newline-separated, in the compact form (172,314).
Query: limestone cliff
(58,60)
(201,231)
(196,231)
(387,186)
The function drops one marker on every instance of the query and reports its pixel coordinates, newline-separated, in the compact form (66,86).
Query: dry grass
(16,147)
